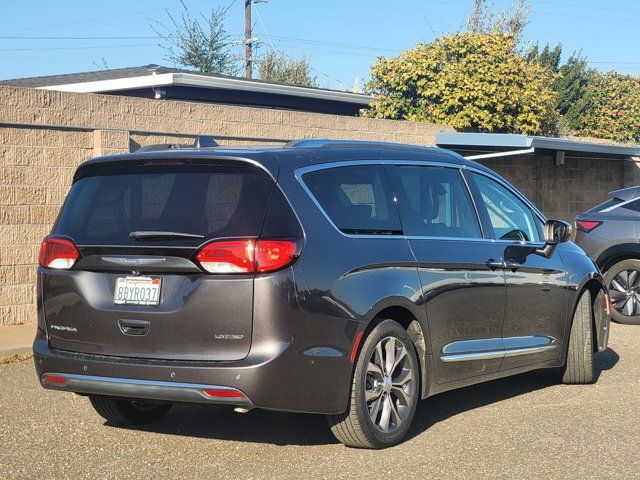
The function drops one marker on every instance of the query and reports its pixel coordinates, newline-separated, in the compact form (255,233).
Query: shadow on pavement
(445,405)
(261,426)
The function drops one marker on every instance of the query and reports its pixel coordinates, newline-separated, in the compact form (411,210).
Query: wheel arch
(617,253)
(409,316)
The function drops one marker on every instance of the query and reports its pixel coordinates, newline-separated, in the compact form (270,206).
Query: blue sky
(340,38)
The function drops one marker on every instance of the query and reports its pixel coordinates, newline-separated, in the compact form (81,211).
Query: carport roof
(506,141)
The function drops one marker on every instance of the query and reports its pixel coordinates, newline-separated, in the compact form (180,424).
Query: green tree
(199,43)
(277,67)
(548,57)
(512,20)
(570,82)
(611,107)
(469,81)
(571,86)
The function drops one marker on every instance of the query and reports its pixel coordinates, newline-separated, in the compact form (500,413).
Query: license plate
(137,291)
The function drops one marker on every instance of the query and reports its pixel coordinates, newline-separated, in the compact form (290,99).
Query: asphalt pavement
(521,427)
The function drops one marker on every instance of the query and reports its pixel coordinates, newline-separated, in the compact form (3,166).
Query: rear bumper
(285,379)
(151,390)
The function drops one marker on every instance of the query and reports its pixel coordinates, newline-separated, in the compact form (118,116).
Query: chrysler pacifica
(350,279)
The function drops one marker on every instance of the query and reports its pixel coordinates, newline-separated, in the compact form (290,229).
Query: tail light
(246,256)
(58,253)
(274,254)
(236,256)
(223,393)
(587,225)
(55,379)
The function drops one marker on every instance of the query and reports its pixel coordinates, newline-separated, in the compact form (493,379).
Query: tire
(397,393)
(128,412)
(580,364)
(617,291)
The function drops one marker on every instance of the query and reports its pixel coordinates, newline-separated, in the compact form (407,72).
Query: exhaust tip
(242,410)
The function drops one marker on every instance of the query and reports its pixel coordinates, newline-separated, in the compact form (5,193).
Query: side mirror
(555,232)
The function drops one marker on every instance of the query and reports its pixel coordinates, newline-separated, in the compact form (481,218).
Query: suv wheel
(128,412)
(384,392)
(623,283)
(580,365)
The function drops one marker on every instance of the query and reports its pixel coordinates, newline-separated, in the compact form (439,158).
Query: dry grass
(19,357)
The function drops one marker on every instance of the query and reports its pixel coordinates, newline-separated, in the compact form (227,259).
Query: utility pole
(247,39)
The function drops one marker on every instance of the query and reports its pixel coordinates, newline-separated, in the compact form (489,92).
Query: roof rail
(201,141)
(324,142)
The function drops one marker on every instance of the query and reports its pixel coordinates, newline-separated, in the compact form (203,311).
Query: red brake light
(57,253)
(233,256)
(274,254)
(246,256)
(587,225)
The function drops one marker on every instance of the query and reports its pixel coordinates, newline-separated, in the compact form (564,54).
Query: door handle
(512,265)
(134,327)
(494,264)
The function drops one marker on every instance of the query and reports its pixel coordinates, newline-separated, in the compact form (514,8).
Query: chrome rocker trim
(147,389)
(496,348)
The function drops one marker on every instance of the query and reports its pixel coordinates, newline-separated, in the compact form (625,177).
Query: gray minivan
(608,233)
(344,278)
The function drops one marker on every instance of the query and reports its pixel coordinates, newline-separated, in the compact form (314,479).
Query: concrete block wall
(45,134)
(563,191)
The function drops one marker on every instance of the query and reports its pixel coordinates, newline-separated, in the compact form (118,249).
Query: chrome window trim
(299,172)
(618,205)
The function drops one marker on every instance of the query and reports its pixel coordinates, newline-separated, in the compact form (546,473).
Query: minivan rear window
(357,199)
(212,201)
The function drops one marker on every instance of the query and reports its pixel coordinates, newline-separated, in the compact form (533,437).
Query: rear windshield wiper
(142,234)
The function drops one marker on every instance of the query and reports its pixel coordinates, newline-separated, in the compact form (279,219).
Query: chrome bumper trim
(147,389)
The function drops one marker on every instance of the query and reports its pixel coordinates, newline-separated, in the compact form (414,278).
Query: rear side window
(635,206)
(434,202)
(612,202)
(210,201)
(357,199)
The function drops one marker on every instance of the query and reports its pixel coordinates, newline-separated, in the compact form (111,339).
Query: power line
(334,44)
(289,56)
(76,38)
(75,48)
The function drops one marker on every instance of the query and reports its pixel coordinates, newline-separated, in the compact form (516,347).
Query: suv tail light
(246,256)
(587,225)
(57,253)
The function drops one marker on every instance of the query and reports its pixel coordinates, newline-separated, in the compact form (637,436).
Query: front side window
(357,199)
(509,216)
(434,202)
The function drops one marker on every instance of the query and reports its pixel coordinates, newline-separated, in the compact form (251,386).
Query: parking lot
(522,427)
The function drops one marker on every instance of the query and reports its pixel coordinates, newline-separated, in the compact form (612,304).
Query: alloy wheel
(390,383)
(625,292)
